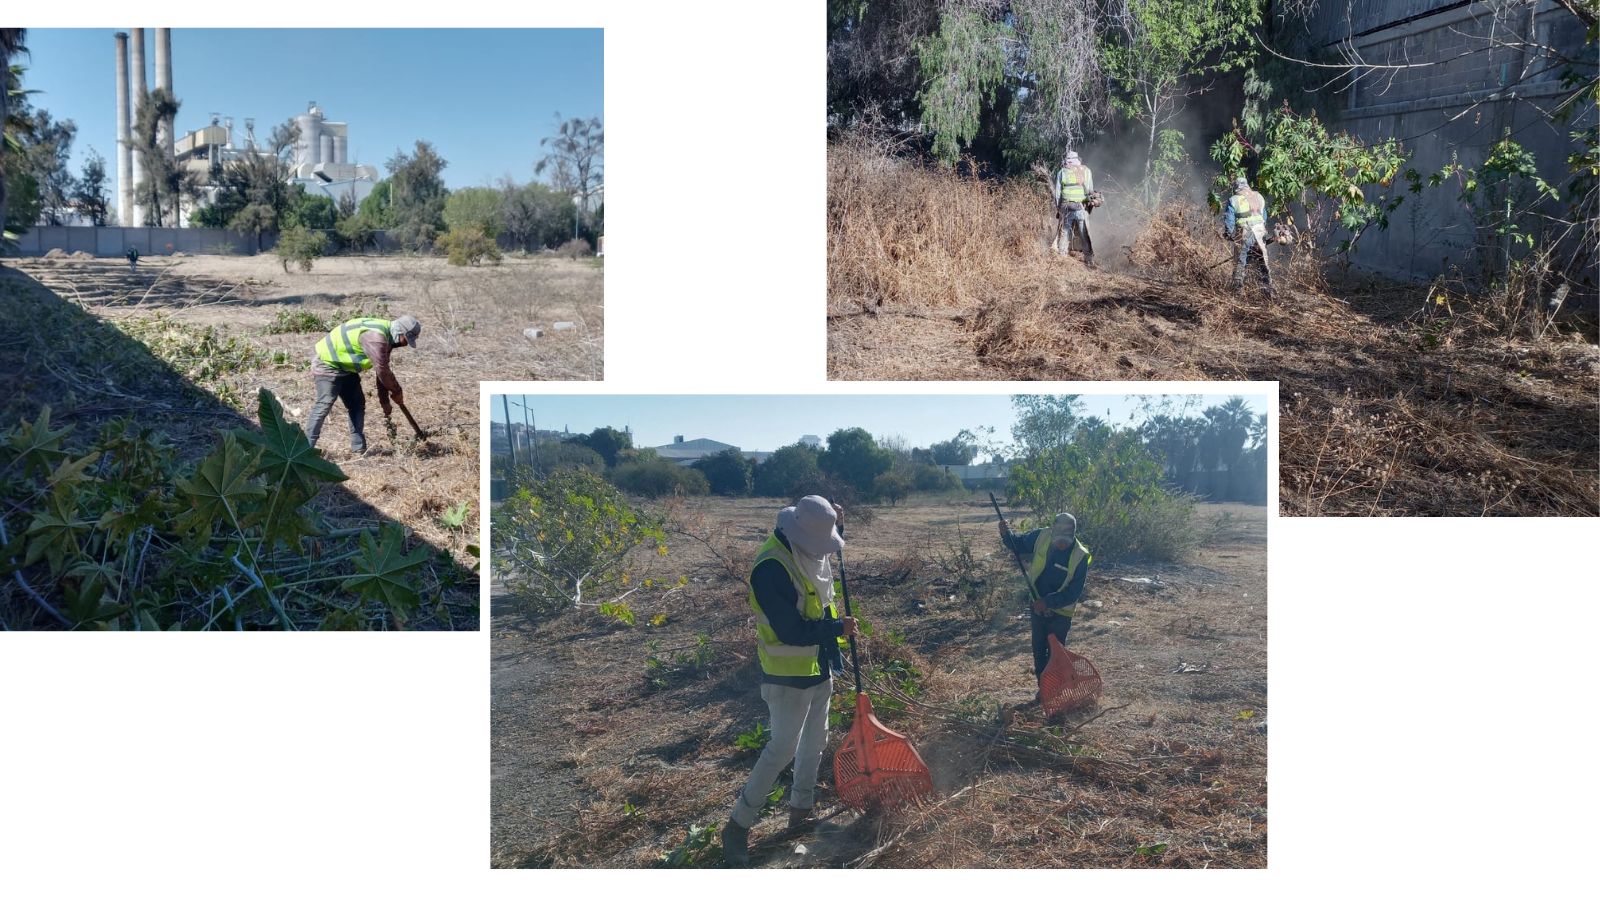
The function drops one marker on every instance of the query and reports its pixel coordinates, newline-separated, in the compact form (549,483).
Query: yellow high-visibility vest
(778,658)
(342,347)
(1072,182)
(1041,553)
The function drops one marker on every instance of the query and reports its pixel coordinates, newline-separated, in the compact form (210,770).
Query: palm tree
(11,44)
(1230,426)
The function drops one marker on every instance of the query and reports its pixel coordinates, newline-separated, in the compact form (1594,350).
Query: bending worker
(346,352)
(1245,219)
(1057,565)
(798,634)
(1073,185)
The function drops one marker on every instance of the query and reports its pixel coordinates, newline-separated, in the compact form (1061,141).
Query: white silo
(310,135)
(340,145)
(326,153)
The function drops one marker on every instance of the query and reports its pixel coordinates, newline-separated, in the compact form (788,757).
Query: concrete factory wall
(113,241)
(1431,232)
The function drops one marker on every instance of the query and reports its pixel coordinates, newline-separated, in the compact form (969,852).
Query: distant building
(973,476)
(686,453)
(811,440)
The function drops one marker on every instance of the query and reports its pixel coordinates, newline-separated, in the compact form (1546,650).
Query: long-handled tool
(1068,680)
(421,435)
(875,766)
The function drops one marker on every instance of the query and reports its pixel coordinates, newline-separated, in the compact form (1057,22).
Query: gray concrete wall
(1455,109)
(113,241)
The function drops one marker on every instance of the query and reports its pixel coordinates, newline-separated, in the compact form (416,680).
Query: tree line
(1219,453)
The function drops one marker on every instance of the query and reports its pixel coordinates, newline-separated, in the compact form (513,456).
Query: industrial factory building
(321,156)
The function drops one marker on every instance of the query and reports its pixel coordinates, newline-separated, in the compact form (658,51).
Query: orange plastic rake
(875,766)
(1068,680)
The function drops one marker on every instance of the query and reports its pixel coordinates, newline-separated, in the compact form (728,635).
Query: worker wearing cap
(1057,564)
(346,352)
(798,634)
(1245,218)
(1073,184)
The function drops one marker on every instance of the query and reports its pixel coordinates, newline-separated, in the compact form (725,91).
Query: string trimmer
(875,766)
(1068,680)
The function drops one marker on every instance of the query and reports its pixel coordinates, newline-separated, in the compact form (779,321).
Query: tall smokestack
(124,142)
(139,90)
(164,80)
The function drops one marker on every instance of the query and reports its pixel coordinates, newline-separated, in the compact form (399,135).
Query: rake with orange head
(1068,680)
(875,766)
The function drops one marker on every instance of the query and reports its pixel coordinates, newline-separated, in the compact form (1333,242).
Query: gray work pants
(1248,248)
(345,386)
(799,732)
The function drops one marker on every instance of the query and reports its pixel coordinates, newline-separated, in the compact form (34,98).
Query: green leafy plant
(296,321)
(699,848)
(455,518)
(567,536)
(617,611)
(120,535)
(754,739)
(1328,175)
(1149,850)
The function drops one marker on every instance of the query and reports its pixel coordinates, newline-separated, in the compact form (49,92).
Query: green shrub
(566,538)
(470,246)
(296,322)
(655,477)
(300,246)
(1114,486)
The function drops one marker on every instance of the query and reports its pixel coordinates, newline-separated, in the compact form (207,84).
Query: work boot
(736,845)
(800,818)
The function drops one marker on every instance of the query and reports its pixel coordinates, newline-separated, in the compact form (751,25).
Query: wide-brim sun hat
(810,525)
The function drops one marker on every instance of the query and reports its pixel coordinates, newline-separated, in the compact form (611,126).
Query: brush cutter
(1068,680)
(875,766)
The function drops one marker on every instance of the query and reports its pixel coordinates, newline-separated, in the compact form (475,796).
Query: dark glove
(1039,607)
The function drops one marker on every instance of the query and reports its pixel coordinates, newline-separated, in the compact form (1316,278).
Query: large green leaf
(287,456)
(35,444)
(220,483)
(53,533)
(386,572)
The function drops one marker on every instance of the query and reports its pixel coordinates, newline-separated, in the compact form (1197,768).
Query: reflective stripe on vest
(1041,558)
(1072,183)
(778,658)
(342,347)
(1242,213)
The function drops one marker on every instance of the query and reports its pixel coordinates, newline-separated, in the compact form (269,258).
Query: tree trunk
(5,109)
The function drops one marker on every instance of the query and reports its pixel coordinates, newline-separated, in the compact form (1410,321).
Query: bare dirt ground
(601,758)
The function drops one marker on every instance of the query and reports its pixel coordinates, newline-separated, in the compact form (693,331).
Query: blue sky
(769,422)
(484,97)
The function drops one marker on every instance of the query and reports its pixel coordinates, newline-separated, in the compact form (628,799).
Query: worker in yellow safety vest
(342,355)
(1058,564)
(1074,184)
(1245,219)
(798,639)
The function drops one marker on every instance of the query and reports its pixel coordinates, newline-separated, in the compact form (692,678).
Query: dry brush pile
(1397,399)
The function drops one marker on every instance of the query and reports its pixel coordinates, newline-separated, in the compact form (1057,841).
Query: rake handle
(844,587)
(1034,592)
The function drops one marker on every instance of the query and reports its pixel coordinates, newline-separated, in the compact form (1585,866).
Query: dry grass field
(1396,400)
(610,743)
